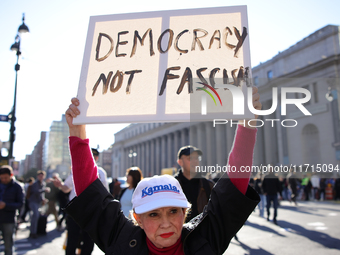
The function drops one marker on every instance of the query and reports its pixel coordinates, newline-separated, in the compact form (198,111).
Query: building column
(152,156)
(126,158)
(164,152)
(221,143)
(142,157)
(192,134)
(147,158)
(183,138)
(210,150)
(270,138)
(259,151)
(230,134)
(201,143)
(170,158)
(158,155)
(138,157)
(122,163)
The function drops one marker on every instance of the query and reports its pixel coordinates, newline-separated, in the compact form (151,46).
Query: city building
(312,63)
(37,154)
(105,161)
(154,146)
(56,151)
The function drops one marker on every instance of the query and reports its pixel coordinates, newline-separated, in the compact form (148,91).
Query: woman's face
(162,226)
(129,180)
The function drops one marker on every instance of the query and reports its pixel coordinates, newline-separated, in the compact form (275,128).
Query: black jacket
(209,233)
(197,191)
(271,185)
(13,196)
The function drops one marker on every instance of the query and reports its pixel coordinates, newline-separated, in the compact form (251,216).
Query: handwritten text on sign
(139,67)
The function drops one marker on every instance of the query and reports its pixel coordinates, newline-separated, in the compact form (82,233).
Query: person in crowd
(21,182)
(258,188)
(36,199)
(63,199)
(27,189)
(133,177)
(111,185)
(306,187)
(315,181)
(76,237)
(11,200)
(101,172)
(337,189)
(115,188)
(159,203)
(284,188)
(271,187)
(196,188)
(323,186)
(292,184)
(52,198)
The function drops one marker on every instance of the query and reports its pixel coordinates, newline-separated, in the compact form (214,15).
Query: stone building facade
(154,146)
(312,64)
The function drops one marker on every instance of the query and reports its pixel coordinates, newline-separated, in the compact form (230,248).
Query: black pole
(12,114)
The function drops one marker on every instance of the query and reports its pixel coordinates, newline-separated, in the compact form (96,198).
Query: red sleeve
(241,156)
(84,168)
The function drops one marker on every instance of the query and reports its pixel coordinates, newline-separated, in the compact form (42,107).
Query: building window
(315,92)
(256,81)
(306,87)
(270,74)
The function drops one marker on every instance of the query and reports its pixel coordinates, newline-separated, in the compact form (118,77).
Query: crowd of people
(182,214)
(54,194)
(273,188)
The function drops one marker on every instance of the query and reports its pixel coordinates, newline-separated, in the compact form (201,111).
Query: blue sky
(52,53)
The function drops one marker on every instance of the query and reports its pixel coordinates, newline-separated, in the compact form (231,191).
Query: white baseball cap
(156,192)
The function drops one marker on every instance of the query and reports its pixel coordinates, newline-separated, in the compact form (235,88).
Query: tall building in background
(37,154)
(56,151)
(35,160)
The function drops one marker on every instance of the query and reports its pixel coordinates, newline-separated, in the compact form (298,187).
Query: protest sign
(164,66)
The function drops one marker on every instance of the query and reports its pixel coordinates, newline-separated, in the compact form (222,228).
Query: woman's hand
(257,105)
(73,112)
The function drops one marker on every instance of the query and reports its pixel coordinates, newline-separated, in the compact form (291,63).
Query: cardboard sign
(163,66)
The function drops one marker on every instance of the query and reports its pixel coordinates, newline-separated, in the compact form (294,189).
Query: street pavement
(50,244)
(311,228)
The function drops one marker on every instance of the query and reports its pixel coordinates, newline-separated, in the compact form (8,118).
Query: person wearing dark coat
(271,187)
(197,189)
(292,184)
(159,204)
(11,200)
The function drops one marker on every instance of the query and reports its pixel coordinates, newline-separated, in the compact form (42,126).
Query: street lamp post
(132,155)
(15,47)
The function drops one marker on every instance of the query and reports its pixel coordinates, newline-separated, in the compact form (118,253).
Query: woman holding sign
(159,205)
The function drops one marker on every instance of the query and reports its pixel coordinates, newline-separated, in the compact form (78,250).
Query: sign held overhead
(156,66)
